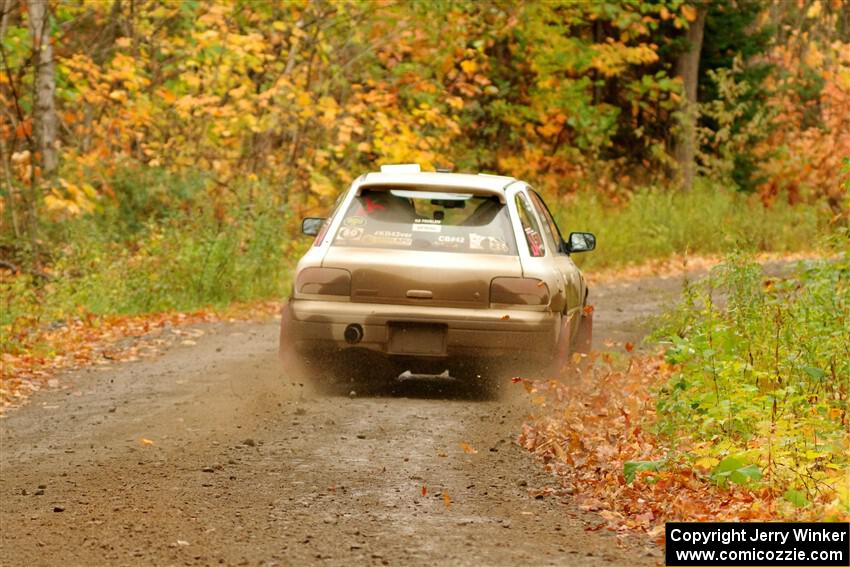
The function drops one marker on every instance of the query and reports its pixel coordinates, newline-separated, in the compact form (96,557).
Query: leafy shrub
(764,375)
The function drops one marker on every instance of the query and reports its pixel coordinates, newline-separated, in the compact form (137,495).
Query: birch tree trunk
(45,123)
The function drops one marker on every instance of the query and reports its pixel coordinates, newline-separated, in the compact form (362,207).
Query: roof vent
(401,168)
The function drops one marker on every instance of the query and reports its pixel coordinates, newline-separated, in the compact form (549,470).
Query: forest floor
(208,454)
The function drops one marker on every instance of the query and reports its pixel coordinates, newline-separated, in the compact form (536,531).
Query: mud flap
(561,364)
(298,365)
(569,345)
(584,337)
(286,349)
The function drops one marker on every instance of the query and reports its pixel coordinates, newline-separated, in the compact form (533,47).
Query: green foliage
(653,223)
(144,195)
(736,123)
(190,258)
(632,468)
(732,29)
(734,468)
(764,373)
(733,50)
(796,498)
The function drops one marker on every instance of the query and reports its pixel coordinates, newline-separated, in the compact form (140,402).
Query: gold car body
(435,304)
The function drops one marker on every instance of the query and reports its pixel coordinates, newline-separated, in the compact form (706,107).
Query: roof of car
(412,178)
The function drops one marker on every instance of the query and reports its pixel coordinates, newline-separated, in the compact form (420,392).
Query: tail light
(324,281)
(519,291)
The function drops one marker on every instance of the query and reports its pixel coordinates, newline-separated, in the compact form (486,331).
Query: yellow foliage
(469,67)
(322,186)
(71,199)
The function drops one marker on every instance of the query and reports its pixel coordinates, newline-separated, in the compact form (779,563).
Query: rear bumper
(311,324)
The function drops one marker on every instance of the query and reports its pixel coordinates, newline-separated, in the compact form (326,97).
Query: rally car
(436,272)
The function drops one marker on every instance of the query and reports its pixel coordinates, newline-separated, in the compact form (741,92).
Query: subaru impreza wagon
(434,272)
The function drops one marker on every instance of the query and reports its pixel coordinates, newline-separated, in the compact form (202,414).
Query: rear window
(424,220)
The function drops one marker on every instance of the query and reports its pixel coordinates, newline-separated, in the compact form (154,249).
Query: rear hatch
(437,279)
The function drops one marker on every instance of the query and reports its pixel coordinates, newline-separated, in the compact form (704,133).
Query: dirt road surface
(210,455)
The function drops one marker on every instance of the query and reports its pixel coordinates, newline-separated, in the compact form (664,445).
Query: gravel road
(208,454)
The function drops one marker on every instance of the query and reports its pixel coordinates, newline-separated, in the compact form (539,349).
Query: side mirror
(581,242)
(311,226)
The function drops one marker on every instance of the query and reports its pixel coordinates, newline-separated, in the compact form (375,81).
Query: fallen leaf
(629,346)
(447,500)
(468,449)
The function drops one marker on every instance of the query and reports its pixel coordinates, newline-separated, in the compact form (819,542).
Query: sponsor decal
(389,238)
(350,233)
(484,242)
(393,234)
(354,221)
(450,242)
(427,228)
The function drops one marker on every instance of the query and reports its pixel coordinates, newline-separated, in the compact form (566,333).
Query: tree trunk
(687,67)
(45,123)
(598,35)
(5,154)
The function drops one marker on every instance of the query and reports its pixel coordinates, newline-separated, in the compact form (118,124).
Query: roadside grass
(143,257)
(746,415)
(656,223)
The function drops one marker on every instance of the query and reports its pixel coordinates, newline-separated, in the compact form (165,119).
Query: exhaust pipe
(353,334)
